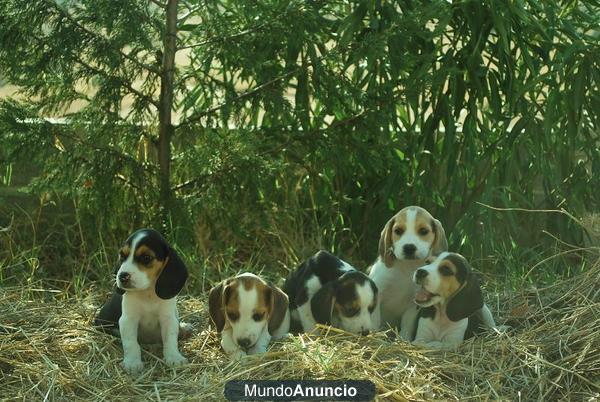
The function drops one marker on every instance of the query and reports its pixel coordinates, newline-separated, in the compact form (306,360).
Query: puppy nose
(420,274)
(124,276)
(409,249)
(364,332)
(243,342)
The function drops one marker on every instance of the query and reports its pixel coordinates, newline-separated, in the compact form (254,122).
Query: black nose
(409,249)
(420,274)
(243,342)
(124,276)
(364,332)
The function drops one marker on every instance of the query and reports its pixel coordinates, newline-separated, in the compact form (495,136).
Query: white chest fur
(147,308)
(396,288)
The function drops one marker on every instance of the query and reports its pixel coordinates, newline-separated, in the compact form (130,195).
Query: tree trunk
(165,128)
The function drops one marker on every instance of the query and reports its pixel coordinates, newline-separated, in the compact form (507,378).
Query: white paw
(430,345)
(257,350)
(133,366)
(237,355)
(175,359)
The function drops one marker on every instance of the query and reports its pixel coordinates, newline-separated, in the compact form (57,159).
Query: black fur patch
(323,265)
(462,267)
(331,271)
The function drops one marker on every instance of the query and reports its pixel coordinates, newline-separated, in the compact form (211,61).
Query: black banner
(300,390)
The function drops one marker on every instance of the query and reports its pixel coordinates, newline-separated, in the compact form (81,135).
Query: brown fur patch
(264,298)
(231,298)
(145,250)
(449,284)
(154,269)
(263,303)
(423,221)
(124,251)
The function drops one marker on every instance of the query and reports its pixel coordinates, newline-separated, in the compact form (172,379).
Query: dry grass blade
(49,351)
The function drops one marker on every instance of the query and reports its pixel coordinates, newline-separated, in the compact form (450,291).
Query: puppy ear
(440,243)
(216,306)
(385,243)
(172,278)
(467,301)
(279,307)
(321,304)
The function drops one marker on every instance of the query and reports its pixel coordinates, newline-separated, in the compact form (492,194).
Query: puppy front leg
(306,317)
(132,353)
(230,347)
(424,334)
(409,320)
(261,344)
(169,328)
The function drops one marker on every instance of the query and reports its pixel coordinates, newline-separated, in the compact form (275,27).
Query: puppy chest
(443,329)
(149,329)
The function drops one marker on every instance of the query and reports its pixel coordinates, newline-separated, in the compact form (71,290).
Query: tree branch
(103,39)
(158,3)
(195,117)
(121,81)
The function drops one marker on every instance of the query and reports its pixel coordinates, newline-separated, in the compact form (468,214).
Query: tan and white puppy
(451,306)
(248,312)
(143,307)
(407,239)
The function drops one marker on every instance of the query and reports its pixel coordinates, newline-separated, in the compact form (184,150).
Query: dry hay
(48,350)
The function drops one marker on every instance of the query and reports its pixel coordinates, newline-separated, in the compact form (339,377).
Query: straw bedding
(48,350)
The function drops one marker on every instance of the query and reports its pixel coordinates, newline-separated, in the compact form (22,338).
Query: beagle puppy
(450,302)
(407,239)
(248,312)
(327,290)
(143,307)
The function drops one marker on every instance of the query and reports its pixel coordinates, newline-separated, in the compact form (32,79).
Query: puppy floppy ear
(385,244)
(467,301)
(279,307)
(440,243)
(216,305)
(322,302)
(172,278)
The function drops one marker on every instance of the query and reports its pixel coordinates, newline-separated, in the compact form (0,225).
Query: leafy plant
(315,118)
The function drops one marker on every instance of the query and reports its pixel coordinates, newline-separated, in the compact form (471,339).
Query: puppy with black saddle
(327,290)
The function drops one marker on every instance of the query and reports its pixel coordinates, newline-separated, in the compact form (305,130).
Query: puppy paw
(133,366)
(175,359)
(436,345)
(237,355)
(257,350)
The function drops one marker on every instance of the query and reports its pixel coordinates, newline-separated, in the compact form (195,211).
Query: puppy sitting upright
(249,312)
(143,308)
(327,290)
(407,239)
(450,300)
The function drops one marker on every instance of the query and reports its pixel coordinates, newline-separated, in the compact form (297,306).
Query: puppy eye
(146,259)
(423,231)
(122,256)
(233,316)
(446,271)
(399,231)
(351,312)
(258,316)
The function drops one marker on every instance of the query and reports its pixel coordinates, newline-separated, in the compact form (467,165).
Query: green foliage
(309,123)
